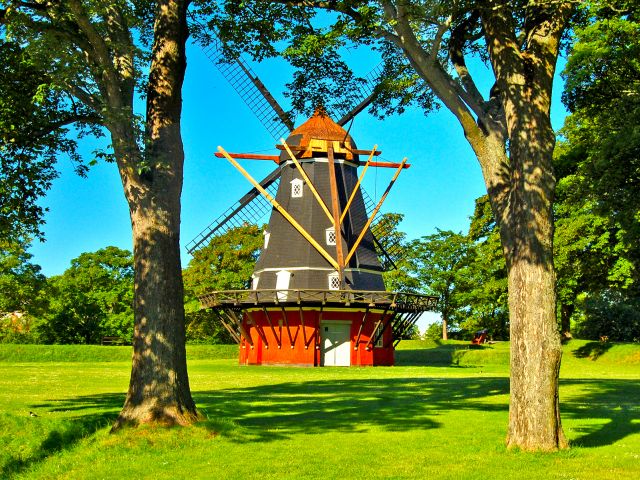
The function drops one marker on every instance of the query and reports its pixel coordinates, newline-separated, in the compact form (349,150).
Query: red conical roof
(317,133)
(321,127)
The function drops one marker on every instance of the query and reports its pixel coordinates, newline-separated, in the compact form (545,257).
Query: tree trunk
(159,387)
(566,311)
(444,328)
(526,230)
(534,412)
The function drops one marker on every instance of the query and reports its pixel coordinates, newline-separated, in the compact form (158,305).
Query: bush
(434,331)
(609,315)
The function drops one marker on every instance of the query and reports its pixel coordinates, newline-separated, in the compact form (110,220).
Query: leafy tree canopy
(226,263)
(20,280)
(91,299)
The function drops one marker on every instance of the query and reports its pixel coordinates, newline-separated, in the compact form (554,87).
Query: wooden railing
(248,298)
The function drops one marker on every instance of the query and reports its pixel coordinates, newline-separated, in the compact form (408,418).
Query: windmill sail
(251,90)
(364,98)
(252,207)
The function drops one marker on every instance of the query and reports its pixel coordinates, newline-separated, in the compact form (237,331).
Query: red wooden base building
(318,328)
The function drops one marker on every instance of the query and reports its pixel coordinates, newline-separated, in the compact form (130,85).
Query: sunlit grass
(437,420)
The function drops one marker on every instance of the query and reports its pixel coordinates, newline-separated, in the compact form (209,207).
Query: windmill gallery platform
(317,295)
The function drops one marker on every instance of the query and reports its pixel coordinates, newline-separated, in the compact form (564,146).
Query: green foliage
(91,299)
(20,280)
(394,241)
(602,150)
(226,263)
(483,295)
(313,42)
(31,138)
(22,292)
(609,315)
(597,220)
(439,263)
(434,331)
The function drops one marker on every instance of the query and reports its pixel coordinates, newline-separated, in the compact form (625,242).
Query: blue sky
(438,191)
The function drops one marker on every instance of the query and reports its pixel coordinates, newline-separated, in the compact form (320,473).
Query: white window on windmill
(330,235)
(334,281)
(296,188)
(283,278)
(254,281)
(267,235)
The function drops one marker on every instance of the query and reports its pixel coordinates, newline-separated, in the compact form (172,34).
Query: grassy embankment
(440,413)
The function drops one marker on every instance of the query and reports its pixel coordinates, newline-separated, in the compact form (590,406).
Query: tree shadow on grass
(274,412)
(441,356)
(592,350)
(63,436)
(616,403)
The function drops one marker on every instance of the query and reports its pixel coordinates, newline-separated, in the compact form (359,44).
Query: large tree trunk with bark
(526,229)
(159,388)
(522,201)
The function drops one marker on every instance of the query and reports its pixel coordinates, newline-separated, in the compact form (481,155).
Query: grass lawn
(440,413)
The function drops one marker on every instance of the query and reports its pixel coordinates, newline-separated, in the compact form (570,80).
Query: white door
(336,344)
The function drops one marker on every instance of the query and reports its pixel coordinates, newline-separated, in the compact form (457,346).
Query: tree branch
(94,119)
(459,37)
(437,41)
(100,50)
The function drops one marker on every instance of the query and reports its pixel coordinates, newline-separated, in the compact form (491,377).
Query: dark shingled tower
(286,249)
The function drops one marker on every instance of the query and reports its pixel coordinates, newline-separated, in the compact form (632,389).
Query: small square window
(330,235)
(334,281)
(296,188)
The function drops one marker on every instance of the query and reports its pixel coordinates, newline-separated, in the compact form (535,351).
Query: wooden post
(238,322)
(286,322)
(282,210)
(304,332)
(273,330)
(258,330)
(375,212)
(335,205)
(355,189)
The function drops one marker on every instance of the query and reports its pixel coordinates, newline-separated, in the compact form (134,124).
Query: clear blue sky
(438,191)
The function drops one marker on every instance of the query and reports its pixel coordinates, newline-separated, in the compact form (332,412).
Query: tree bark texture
(159,387)
(519,180)
(524,80)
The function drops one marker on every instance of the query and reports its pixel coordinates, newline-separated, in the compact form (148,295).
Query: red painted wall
(288,346)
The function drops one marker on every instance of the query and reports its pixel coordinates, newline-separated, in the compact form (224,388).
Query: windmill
(252,208)
(317,296)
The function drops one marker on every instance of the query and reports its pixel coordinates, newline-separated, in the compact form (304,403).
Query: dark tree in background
(225,263)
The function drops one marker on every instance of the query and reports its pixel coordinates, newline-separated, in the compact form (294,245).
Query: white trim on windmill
(283,278)
(255,279)
(267,235)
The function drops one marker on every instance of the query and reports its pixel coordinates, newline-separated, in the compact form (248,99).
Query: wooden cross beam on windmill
(317,295)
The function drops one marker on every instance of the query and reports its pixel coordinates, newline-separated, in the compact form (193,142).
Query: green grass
(96,353)
(423,418)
